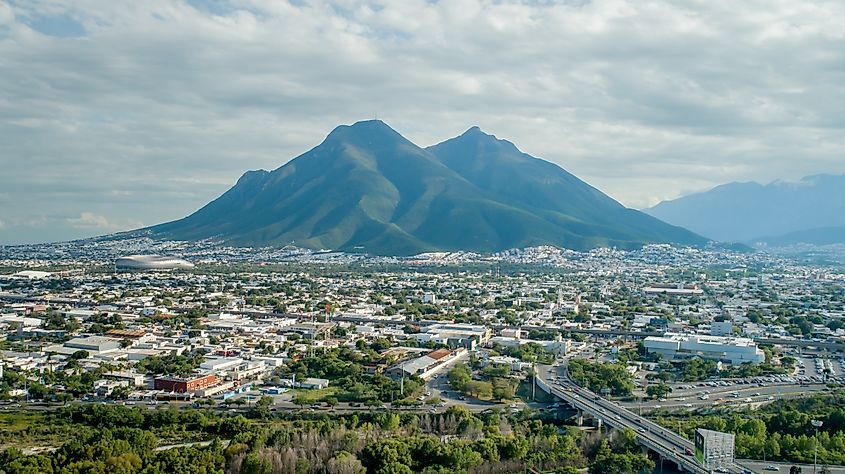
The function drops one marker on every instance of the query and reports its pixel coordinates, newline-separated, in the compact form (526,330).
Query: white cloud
(89,219)
(162,105)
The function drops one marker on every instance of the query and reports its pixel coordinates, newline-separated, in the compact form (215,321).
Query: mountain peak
(476,132)
(364,128)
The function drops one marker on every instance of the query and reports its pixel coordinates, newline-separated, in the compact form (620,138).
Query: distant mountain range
(366,188)
(811,210)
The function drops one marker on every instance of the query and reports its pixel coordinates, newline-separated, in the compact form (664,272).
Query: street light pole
(816,424)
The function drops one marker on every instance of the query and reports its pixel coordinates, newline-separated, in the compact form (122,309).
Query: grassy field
(24,429)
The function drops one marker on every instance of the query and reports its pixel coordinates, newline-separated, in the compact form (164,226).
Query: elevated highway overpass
(667,444)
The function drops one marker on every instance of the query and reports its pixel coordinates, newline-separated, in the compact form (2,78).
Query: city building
(185,384)
(736,350)
(721,328)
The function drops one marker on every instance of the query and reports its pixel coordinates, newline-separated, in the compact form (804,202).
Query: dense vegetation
(600,376)
(781,430)
(116,440)
(350,382)
(491,383)
(531,352)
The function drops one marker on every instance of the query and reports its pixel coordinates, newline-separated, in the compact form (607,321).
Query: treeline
(531,352)
(780,431)
(124,440)
(350,381)
(494,382)
(601,376)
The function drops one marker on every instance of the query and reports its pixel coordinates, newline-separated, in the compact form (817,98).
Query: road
(783,467)
(723,396)
(664,442)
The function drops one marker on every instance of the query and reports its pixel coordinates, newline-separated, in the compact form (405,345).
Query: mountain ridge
(750,211)
(366,187)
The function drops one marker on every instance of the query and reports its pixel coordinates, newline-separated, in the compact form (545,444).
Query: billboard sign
(713,449)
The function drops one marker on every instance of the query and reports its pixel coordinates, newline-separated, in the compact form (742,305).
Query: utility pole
(402,381)
(816,424)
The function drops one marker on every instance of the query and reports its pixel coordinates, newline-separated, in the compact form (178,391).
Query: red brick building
(187,384)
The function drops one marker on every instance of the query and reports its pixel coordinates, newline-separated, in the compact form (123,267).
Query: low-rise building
(736,350)
(185,384)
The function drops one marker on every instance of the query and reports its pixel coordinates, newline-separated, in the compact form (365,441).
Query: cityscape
(422,237)
(670,340)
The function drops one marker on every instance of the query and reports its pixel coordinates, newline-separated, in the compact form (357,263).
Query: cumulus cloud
(144,111)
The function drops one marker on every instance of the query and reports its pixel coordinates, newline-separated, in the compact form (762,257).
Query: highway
(746,396)
(670,446)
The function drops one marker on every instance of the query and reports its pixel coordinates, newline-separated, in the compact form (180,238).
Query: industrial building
(736,350)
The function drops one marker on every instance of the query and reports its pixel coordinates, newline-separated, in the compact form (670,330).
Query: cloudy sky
(118,114)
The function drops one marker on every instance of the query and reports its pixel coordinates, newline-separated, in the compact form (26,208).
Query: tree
(345,463)
(79,355)
(480,389)
(658,390)
(609,462)
(300,399)
(503,392)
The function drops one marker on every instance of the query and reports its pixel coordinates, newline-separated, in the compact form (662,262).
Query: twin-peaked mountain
(366,188)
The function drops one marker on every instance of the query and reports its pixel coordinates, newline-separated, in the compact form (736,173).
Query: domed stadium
(151,262)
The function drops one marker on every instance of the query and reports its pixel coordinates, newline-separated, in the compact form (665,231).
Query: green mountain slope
(497,166)
(367,188)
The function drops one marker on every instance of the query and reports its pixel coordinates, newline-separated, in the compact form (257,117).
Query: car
(641,430)
(771,467)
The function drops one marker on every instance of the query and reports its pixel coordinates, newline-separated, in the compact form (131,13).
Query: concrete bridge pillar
(579,418)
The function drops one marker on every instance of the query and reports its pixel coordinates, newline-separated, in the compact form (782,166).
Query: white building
(736,350)
(722,328)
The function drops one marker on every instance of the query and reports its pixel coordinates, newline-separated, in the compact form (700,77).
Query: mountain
(367,188)
(745,212)
(817,236)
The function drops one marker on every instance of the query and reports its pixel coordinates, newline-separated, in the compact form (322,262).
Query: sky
(120,114)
